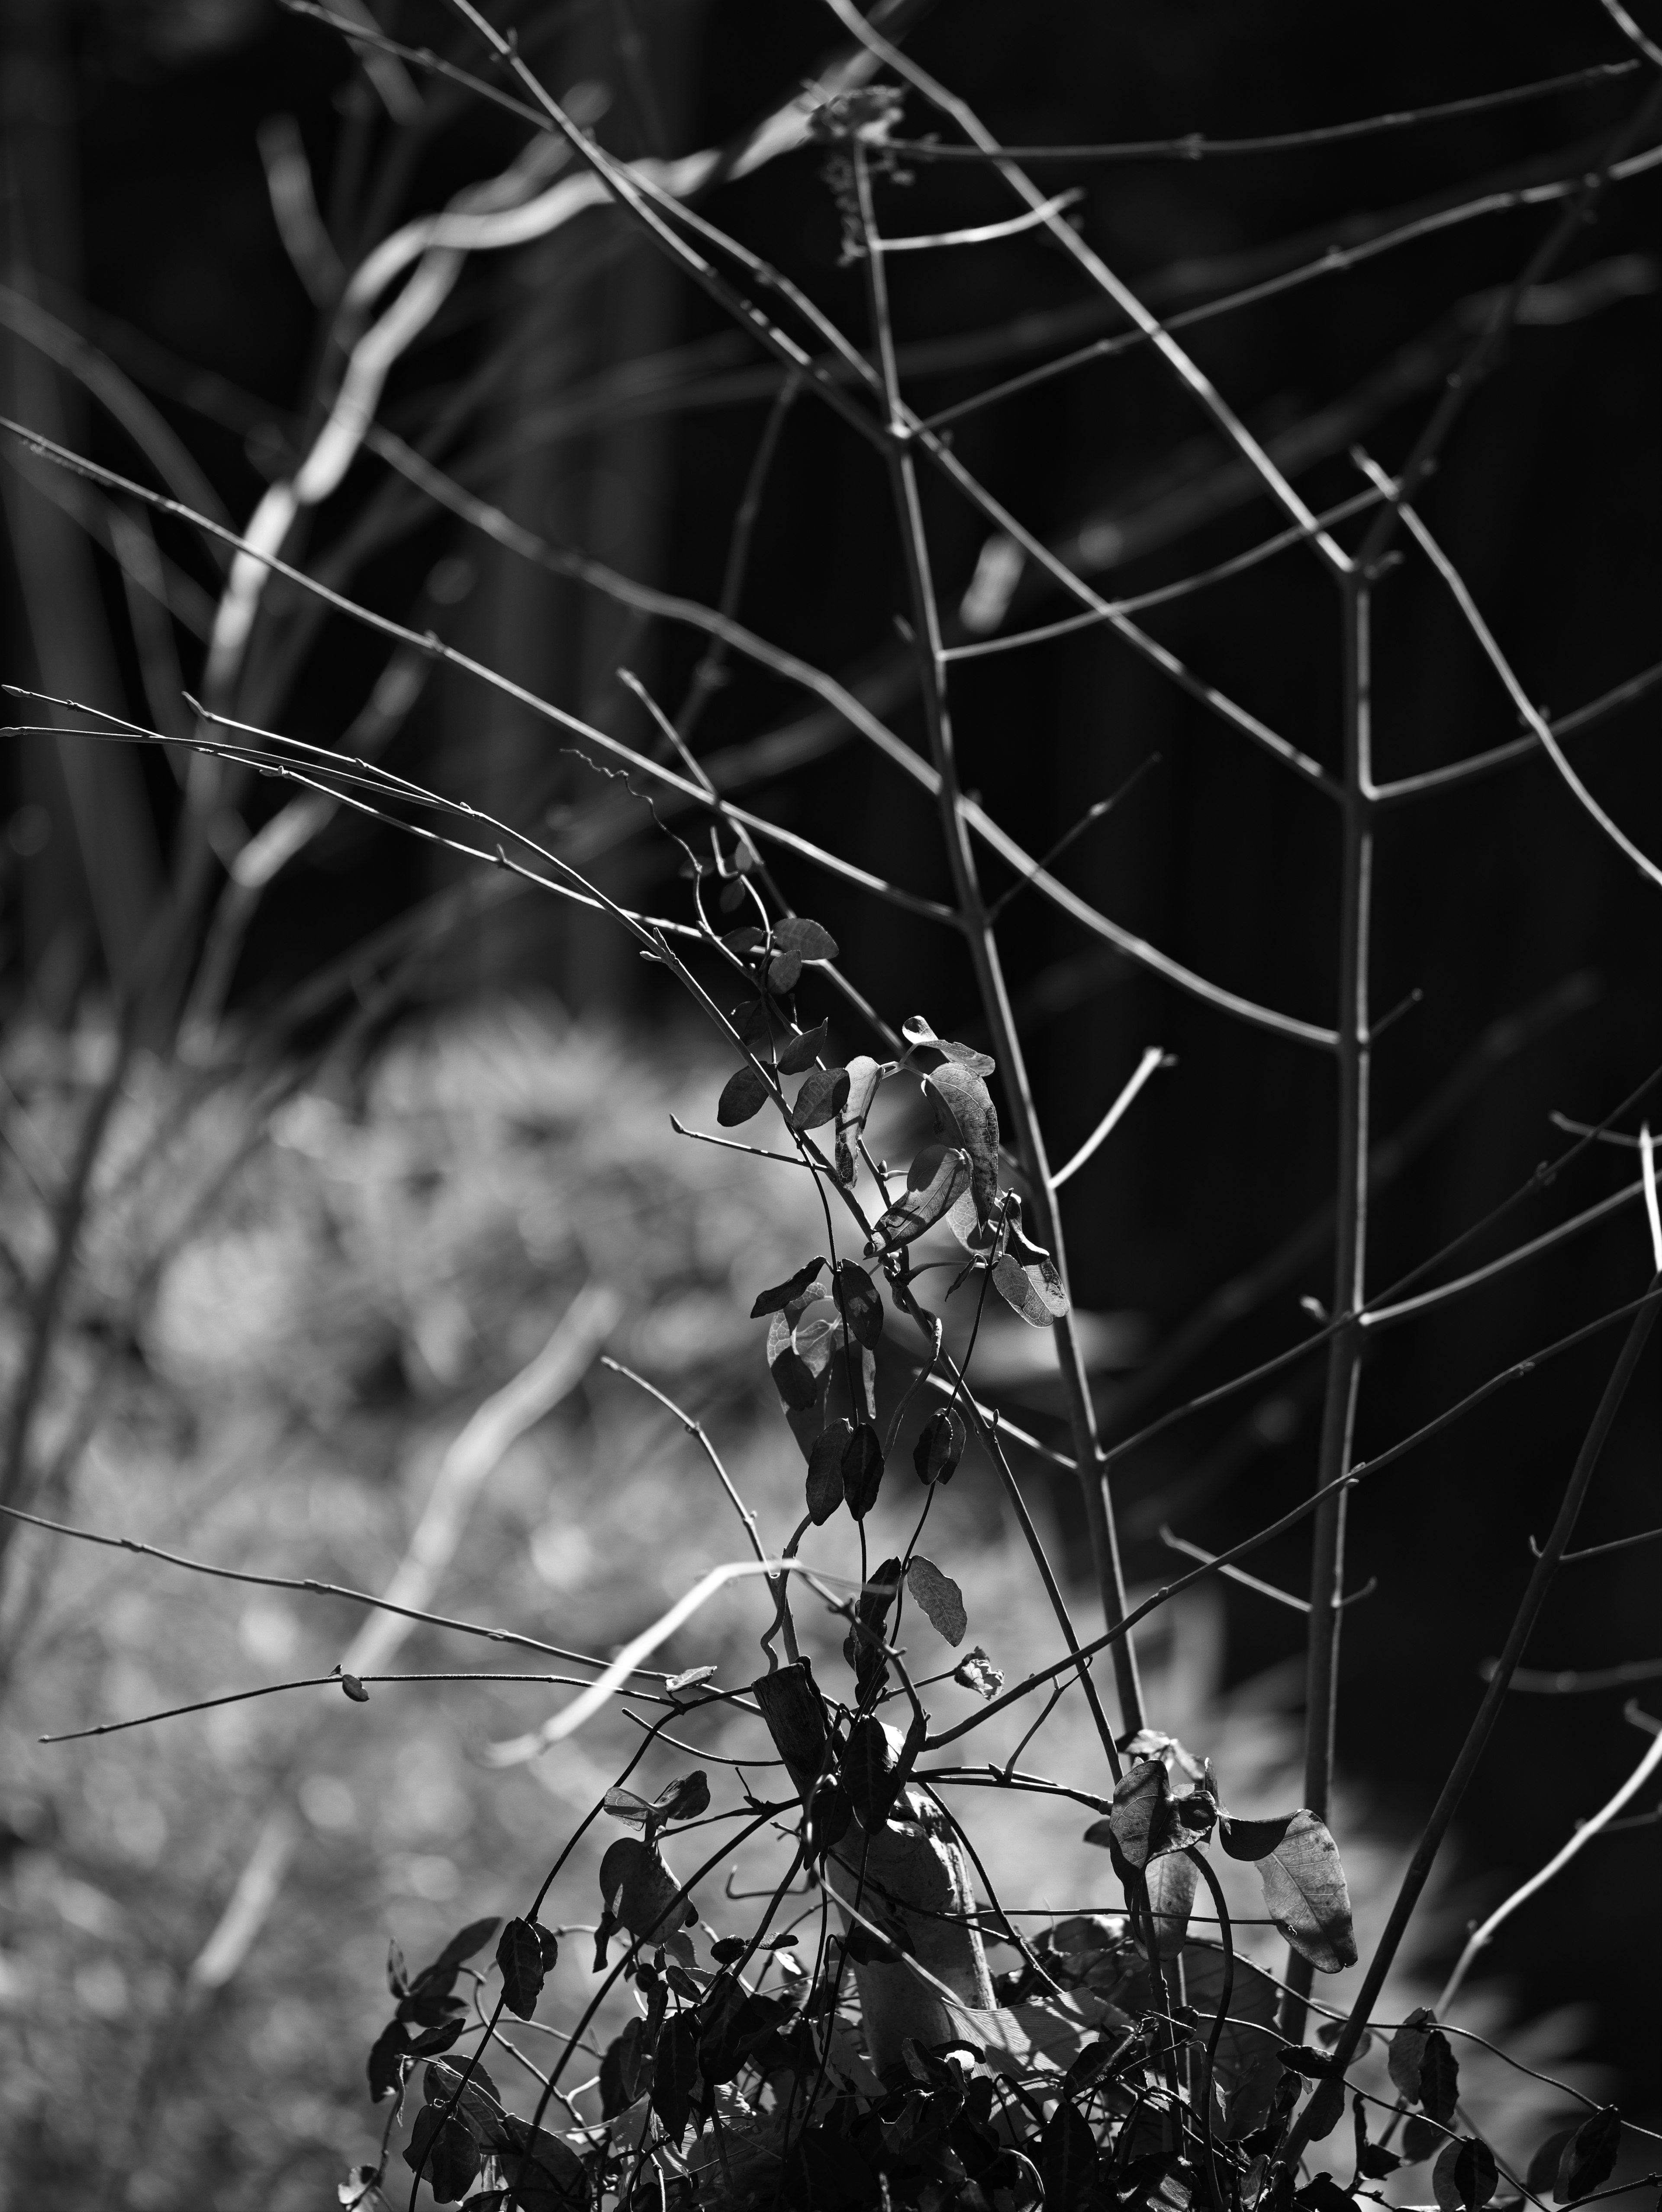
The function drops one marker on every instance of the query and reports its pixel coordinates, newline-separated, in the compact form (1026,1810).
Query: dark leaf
(1465,2176)
(868,1949)
(1066,2158)
(626,2068)
(1172,1882)
(727,1948)
(355,1689)
(862,1470)
(743,1094)
(625,1805)
(1253,1839)
(965,1115)
(822,1097)
(1312,2065)
(810,939)
(732,896)
(461,1946)
(858,1302)
(935,1180)
(684,1798)
(432,2040)
(388,2055)
(1541,2172)
(802,1051)
(1375,2163)
(1406,2051)
(1589,2158)
(475,2096)
(445,2151)
(398,1976)
(674,2071)
(639,1890)
(519,1956)
(830,1814)
(761,1026)
(1304,1894)
(543,2173)
(824,1487)
(1248,2069)
(870,1769)
(976,1671)
(1439,2078)
(1324,2194)
(784,971)
(793,1379)
(1421,2138)
(748,938)
(776,1300)
(939,1599)
(940,1445)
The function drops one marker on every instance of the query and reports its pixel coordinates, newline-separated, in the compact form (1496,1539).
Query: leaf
(1172,1881)
(864,1076)
(691,1678)
(1421,2138)
(761,1025)
(475,2096)
(776,1300)
(1304,1894)
(793,1380)
(940,1445)
(727,1948)
(1066,2158)
(387,2056)
(445,2151)
(829,1814)
(785,970)
(862,1470)
(1247,2070)
(939,1598)
(355,1689)
(811,938)
(1589,2157)
(674,2071)
(869,1770)
(639,1891)
(1439,2078)
(1541,2172)
(1465,2176)
(825,1488)
(1034,1292)
(744,1092)
(976,1671)
(1140,1823)
(1407,2048)
(626,2068)
(802,1051)
(542,2172)
(432,2040)
(858,1302)
(461,1946)
(965,1115)
(936,1179)
(521,1956)
(862,1653)
(1254,1839)
(821,1098)
(683,1799)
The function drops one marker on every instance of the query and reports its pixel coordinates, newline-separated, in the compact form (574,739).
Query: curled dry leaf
(939,1599)
(965,1116)
(1034,1291)
(936,1179)
(977,1671)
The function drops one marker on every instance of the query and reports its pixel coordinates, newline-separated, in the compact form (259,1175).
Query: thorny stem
(983,953)
(1323,2108)
(1345,1354)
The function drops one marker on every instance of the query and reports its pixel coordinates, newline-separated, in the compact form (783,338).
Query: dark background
(138,212)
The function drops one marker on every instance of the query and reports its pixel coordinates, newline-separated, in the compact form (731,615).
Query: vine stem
(1344,1355)
(1323,2109)
(980,935)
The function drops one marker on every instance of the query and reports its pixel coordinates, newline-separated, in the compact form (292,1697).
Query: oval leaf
(802,1051)
(937,1178)
(862,1470)
(793,1379)
(1141,1820)
(825,1489)
(858,1302)
(1465,2176)
(869,1770)
(810,939)
(1542,2171)
(444,2151)
(519,1956)
(939,1598)
(1589,2157)
(1255,1839)
(864,1076)
(1171,1881)
(744,1094)
(821,1099)
(1305,1896)
(776,1300)
(965,1115)
(1034,1291)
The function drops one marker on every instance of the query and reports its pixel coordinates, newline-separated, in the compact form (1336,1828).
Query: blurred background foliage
(428,1107)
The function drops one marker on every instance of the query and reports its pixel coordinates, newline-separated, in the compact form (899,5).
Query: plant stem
(1344,1358)
(1324,2108)
(1029,1142)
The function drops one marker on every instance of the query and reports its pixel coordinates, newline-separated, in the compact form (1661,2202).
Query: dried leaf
(691,1678)
(1034,1292)
(802,1051)
(939,1599)
(824,1486)
(935,1180)
(1141,1823)
(744,1094)
(811,938)
(1305,1896)
(776,1300)
(940,1445)
(821,1098)
(976,1671)
(864,1076)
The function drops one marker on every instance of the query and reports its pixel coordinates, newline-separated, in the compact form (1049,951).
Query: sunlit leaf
(965,1116)
(857,1301)
(864,1076)
(939,1175)
(1141,1822)
(939,1598)
(776,1300)
(811,938)
(1034,1291)
(1172,1881)
(744,1094)
(976,1671)
(1304,1894)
